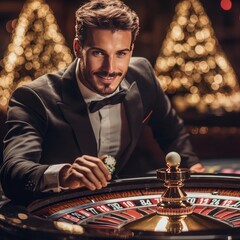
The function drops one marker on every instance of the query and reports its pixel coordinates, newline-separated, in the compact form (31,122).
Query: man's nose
(109,64)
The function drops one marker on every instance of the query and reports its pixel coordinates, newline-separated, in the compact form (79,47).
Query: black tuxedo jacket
(48,124)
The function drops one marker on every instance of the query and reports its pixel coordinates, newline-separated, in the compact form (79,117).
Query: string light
(226,5)
(191,66)
(37,47)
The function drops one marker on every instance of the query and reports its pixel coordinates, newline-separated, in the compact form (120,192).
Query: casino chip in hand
(110,162)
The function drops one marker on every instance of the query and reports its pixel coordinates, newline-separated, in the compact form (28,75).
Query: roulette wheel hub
(174,214)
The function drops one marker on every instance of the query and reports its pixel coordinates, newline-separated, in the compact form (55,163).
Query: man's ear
(77,48)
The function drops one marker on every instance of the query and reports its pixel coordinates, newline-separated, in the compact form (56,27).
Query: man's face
(104,56)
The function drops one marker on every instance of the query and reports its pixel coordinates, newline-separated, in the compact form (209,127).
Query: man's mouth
(108,76)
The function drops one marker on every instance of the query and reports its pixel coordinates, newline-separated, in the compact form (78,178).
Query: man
(58,138)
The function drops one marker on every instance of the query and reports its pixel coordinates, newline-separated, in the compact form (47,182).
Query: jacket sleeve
(26,122)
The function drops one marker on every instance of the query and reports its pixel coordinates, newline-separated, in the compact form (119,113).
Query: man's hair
(106,14)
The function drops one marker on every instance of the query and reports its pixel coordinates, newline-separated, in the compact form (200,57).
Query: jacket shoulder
(140,70)
(139,62)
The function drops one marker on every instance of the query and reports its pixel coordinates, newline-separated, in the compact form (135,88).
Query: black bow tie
(115,99)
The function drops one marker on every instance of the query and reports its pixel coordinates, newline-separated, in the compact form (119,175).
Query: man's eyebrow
(124,50)
(96,48)
(102,50)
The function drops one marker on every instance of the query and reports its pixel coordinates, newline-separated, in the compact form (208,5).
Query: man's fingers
(197,168)
(77,180)
(86,171)
(97,166)
(93,169)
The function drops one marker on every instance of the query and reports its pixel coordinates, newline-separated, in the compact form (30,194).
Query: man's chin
(106,91)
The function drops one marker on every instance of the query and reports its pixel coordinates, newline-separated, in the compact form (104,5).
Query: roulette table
(127,209)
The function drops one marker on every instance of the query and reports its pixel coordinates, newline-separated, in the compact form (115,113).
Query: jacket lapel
(74,110)
(134,112)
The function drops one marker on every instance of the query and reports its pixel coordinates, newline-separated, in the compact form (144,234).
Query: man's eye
(97,53)
(122,54)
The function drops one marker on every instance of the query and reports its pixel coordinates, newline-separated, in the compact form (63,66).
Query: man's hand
(86,171)
(197,168)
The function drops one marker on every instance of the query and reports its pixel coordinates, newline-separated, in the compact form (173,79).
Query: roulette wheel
(171,204)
